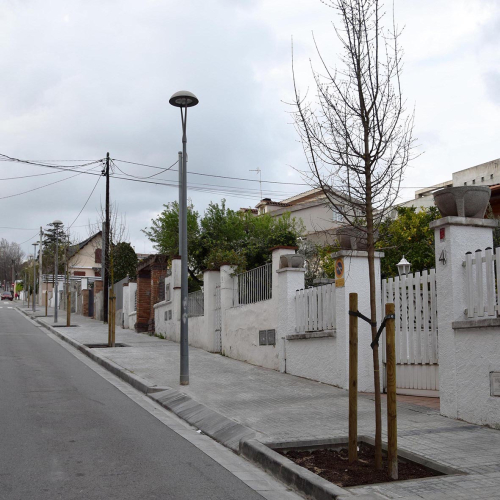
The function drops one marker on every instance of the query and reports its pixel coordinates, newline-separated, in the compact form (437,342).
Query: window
(491,176)
(482,179)
(473,181)
(336,215)
(98,256)
(167,293)
(465,184)
(79,273)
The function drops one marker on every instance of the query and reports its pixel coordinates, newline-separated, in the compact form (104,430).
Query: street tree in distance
(49,248)
(124,261)
(358,139)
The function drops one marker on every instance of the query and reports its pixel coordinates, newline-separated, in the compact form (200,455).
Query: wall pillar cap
(293,269)
(283,247)
(464,221)
(356,253)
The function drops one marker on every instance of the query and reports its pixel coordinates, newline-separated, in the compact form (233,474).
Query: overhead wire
(145,177)
(80,212)
(218,176)
(45,185)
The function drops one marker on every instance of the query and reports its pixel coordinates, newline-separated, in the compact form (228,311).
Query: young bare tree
(358,139)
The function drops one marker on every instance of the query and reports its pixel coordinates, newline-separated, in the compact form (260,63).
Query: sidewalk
(281,407)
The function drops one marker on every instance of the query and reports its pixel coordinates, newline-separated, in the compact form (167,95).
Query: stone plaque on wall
(495,383)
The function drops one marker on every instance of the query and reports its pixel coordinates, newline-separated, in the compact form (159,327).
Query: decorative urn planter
(291,260)
(352,238)
(463,201)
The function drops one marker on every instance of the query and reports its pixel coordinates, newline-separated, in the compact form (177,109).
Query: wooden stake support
(392,426)
(68,309)
(353,379)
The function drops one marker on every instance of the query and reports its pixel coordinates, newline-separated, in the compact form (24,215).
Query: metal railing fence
(196,304)
(253,286)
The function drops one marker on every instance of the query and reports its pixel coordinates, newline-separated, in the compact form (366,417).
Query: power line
(45,185)
(146,177)
(29,239)
(91,193)
(219,176)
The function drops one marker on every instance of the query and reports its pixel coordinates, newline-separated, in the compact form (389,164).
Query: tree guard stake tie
(369,321)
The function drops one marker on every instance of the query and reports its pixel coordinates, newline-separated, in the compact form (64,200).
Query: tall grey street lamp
(183,100)
(56,224)
(34,276)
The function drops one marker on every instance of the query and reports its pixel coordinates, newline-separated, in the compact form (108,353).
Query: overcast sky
(81,78)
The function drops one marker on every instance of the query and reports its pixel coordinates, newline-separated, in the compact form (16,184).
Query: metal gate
(91,302)
(415,300)
(217,320)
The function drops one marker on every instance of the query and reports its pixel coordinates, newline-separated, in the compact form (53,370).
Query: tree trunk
(373,317)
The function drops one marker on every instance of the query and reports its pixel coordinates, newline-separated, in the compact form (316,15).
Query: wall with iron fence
(196,305)
(167,312)
(253,286)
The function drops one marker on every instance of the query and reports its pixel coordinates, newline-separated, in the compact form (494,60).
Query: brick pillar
(98,286)
(85,302)
(158,271)
(143,300)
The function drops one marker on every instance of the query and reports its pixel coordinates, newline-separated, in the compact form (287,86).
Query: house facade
(321,220)
(485,174)
(85,258)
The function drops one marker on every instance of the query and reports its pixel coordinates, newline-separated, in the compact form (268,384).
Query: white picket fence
(415,300)
(483,292)
(315,309)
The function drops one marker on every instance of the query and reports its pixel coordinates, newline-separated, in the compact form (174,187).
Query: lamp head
(183,99)
(57,222)
(403,267)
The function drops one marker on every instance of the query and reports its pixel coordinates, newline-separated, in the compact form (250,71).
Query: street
(69,433)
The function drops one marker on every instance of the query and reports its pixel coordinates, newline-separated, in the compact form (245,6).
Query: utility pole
(105,252)
(34,276)
(40,273)
(13,281)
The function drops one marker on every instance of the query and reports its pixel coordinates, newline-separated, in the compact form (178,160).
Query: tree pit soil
(333,465)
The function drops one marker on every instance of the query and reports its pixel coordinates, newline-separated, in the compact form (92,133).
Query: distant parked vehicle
(6,296)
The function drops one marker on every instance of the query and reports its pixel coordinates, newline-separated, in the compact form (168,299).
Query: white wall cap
(463,221)
(355,253)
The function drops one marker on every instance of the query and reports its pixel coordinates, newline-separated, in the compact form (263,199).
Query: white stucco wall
(132,319)
(240,338)
(126,306)
(131,313)
(315,359)
(466,355)
(327,359)
(477,352)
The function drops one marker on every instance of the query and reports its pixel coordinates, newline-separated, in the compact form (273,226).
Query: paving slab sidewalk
(282,407)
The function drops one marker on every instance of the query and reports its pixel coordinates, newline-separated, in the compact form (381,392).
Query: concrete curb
(217,426)
(291,474)
(295,476)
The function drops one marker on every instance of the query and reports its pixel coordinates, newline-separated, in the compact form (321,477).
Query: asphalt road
(65,432)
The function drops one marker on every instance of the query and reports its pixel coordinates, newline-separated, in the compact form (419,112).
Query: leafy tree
(124,261)
(49,248)
(223,236)
(409,235)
